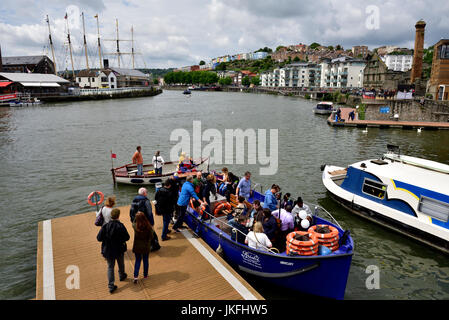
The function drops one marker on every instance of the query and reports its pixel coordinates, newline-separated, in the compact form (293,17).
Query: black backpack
(137,206)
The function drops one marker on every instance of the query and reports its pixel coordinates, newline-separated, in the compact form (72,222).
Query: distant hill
(157,72)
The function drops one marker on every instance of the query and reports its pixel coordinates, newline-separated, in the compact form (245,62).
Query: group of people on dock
(259,225)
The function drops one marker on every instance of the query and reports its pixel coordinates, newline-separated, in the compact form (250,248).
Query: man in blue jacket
(187,192)
(270,201)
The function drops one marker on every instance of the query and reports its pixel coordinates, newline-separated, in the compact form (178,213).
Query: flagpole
(112,169)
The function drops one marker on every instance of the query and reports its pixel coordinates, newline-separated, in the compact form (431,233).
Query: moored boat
(324,108)
(320,275)
(187,91)
(407,194)
(127,174)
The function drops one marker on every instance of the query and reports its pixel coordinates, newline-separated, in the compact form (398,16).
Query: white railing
(109,91)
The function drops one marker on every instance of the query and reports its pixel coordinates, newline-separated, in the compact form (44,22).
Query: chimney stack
(105,63)
(1,61)
(419,51)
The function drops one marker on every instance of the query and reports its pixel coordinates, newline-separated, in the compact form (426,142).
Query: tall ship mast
(118,53)
(70,44)
(85,42)
(99,44)
(51,45)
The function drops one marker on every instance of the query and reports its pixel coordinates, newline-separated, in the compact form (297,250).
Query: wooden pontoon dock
(383,124)
(185,268)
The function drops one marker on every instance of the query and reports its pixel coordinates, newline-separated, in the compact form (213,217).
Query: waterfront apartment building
(343,72)
(295,75)
(398,62)
(360,51)
(439,78)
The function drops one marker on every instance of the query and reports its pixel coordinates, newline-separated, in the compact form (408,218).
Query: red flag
(113,156)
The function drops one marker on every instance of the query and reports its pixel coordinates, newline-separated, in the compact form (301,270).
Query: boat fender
(322,167)
(344,237)
(323,250)
(220,251)
(92,198)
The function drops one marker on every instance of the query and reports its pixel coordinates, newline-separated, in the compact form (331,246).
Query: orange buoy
(94,196)
(220,206)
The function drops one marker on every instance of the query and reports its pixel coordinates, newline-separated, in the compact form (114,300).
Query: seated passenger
(286,201)
(300,205)
(256,212)
(240,209)
(257,239)
(269,225)
(240,225)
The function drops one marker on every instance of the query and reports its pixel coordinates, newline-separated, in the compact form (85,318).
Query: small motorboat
(324,108)
(187,91)
(406,194)
(127,174)
(320,275)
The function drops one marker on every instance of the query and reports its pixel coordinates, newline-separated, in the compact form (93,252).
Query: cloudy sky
(172,33)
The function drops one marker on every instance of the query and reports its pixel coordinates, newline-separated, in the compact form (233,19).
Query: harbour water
(52,156)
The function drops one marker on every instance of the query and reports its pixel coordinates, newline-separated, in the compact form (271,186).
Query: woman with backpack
(143,234)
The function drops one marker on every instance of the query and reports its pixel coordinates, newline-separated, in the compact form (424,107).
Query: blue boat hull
(324,276)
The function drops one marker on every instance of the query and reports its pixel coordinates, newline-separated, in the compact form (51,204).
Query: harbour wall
(407,110)
(98,96)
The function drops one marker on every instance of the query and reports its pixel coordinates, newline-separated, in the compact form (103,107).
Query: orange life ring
(199,209)
(325,241)
(329,244)
(332,234)
(92,195)
(301,253)
(310,243)
(302,249)
(220,206)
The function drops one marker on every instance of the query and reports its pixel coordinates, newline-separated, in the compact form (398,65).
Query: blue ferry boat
(320,275)
(406,194)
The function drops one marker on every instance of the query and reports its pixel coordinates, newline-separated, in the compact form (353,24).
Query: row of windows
(443,51)
(433,208)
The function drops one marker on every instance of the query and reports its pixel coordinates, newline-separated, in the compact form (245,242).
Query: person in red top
(138,159)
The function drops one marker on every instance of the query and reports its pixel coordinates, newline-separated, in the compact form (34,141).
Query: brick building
(439,78)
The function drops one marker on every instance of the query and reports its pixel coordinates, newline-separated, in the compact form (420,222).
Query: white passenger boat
(407,194)
(324,108)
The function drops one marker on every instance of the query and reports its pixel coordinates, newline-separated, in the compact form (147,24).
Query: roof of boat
(424,173)
(325,102)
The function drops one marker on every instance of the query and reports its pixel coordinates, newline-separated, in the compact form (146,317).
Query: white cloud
(176,32)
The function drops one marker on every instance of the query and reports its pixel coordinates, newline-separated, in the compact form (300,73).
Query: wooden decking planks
(178,271)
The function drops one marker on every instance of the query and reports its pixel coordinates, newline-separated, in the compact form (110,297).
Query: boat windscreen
(324,107)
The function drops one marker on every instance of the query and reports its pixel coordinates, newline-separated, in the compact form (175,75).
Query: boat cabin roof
(418,174)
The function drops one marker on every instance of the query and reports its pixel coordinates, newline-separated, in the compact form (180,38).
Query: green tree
(202,63)
(246,81)
(314,46)
(338,47)
(279,48)
(331,47)
(296,59)
(226,81)
(221,67)
(156,81)
(255,81)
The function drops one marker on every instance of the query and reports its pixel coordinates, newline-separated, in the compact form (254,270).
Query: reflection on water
(53,156)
